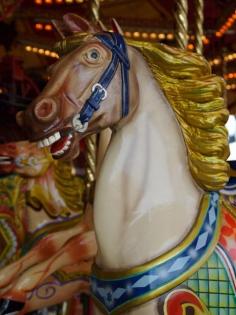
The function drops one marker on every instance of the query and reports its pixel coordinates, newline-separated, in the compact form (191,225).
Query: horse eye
(93,55)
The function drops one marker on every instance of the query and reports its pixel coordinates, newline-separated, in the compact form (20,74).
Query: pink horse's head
(88,90)
(23,158)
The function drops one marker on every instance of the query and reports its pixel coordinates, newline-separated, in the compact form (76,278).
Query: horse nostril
(45,110)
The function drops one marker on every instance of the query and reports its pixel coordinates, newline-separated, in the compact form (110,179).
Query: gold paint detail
(70,187)
(173,284)
(91,158)
(91,141)
(63,276)
(94,10)
(15,201)
(199,25)
(161,259)
(197,98)
(55,227)
(181,17)
(70,43)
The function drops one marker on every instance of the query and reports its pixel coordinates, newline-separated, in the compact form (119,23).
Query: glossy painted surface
(146,200)
(44,214)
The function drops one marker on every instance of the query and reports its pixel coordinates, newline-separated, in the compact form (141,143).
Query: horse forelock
(70,43)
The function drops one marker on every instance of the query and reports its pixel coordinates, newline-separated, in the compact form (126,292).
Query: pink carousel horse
(55,241)
(157,212)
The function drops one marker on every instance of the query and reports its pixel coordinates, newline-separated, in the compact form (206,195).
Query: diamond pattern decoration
(212,216)
(202,240)
(114,293)
(144,281)
(118,293)
(102,292)
(179,263)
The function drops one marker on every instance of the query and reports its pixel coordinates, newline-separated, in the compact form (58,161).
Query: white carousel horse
(156,211)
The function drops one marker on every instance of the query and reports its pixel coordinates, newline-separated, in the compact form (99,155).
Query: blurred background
(27,37)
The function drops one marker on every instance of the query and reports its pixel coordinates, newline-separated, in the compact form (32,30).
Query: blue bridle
(115,42)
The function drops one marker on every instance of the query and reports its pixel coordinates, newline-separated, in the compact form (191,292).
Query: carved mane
(70,187)
(196,97)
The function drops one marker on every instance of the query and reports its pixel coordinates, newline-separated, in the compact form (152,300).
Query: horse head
(99,83)
(23,158)
(88,90)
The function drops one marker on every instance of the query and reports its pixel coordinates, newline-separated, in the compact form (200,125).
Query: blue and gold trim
(117,291)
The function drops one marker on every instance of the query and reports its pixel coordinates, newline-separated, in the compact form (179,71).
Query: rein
(115,42)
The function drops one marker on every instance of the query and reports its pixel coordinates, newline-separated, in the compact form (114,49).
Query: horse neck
(144,189)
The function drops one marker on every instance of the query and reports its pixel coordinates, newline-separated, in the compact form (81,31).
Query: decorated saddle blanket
(199,273)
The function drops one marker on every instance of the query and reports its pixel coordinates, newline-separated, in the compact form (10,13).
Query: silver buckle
(101,88)
(77,124)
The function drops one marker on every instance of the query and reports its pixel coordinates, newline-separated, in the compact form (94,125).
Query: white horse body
(146,201)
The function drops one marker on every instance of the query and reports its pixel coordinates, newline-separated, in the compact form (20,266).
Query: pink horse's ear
(116,27)
(61,28)
(78,24)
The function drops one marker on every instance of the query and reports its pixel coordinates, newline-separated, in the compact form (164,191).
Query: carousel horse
(157,210)
(56,243)
(228,231)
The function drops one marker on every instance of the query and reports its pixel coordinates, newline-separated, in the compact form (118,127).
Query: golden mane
(196,97)
(70,186)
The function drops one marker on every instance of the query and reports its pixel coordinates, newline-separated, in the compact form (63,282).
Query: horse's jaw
(146,201)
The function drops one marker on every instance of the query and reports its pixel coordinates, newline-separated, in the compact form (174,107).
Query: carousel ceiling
(26,29)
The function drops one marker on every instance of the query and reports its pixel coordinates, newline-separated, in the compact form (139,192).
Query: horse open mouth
(59,142)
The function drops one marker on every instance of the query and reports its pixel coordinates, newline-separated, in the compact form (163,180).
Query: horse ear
(78,24)
(61,28)
(116,27)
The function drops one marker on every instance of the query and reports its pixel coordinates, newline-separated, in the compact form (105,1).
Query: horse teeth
(46,142)
(52,139)
(57,135)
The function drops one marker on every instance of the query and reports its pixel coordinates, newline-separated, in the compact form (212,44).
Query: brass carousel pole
(94,10)
(181,17)
(199,9)
(91,141)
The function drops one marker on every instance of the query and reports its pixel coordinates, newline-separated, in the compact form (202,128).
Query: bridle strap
(116,44)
